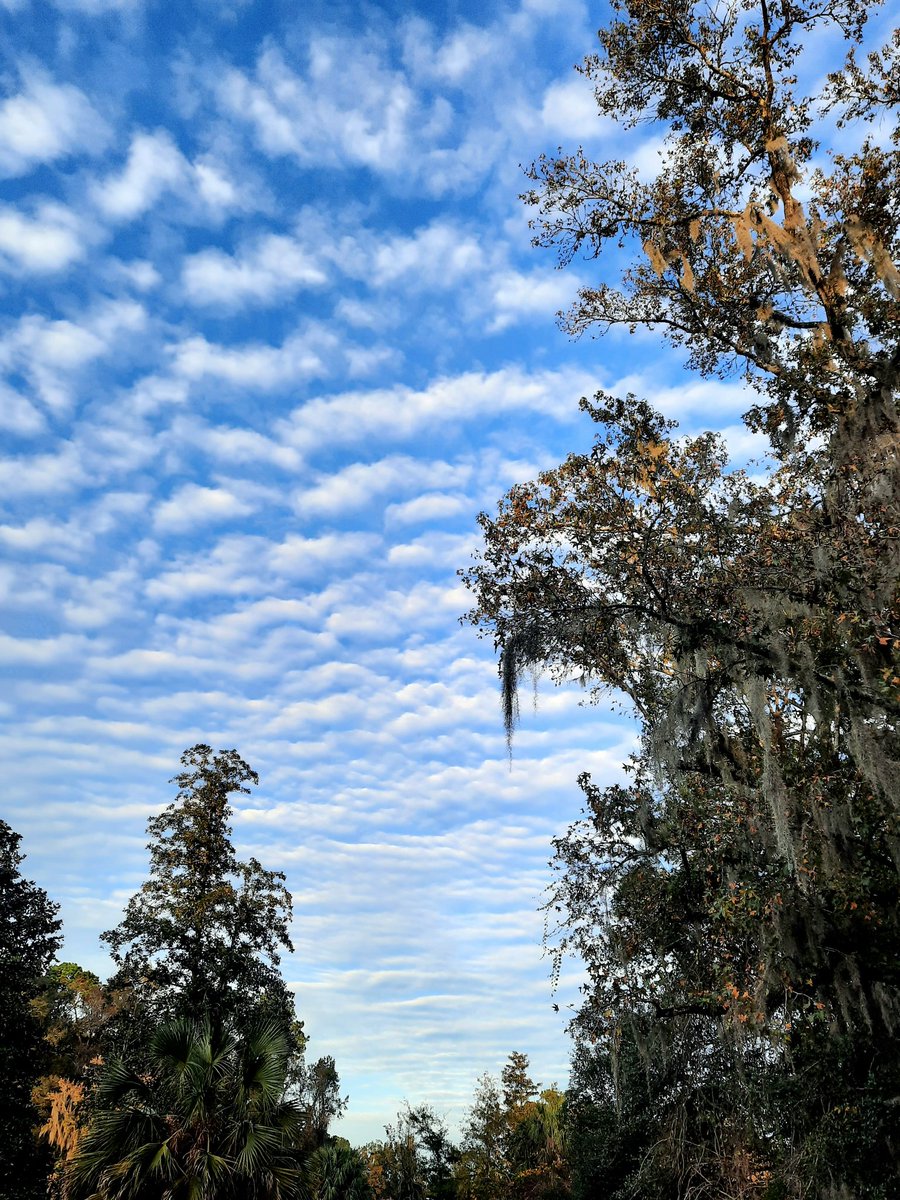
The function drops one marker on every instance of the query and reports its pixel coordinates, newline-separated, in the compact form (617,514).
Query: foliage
(394,1166)
(29,938)
(537,1148)
(737,899)
(484,1135)
(338,1172)
(437,1154)
(518,1086)
(76,1010)
(615,1110)
(209,1121)
(204,933)
(317,1090)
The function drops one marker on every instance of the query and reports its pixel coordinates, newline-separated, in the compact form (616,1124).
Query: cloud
(569,111)
(51,353)
(537,295)
(275,266)
(49,241)
(349,110)
(43,474)
(45,122)
(382,414)
(430,506)
(192,506)
(244,565)
(234,445)
(154,167)
(303,355)
(140,273)
(18,415)
(97,8)
(439,255)
(364,484)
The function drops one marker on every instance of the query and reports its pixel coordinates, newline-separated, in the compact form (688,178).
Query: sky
(272,334)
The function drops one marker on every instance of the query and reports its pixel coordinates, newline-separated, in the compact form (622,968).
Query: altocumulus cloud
(272,335)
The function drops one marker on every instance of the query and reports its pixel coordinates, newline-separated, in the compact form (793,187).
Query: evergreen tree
(29,938)
(204,934)
(518,1086)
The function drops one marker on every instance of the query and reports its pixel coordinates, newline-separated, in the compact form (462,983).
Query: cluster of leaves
(737,899)
(209,1119)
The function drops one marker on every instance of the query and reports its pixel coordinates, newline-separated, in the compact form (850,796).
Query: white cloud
(350,109)
(383,414)
(47,242)
(18,415)
(365,484)
(155,166)
(430,506)
(243,565)
(41,534)
(301,356)
(214,186)
(139,273)
(43,474)
(517,296)
(439,255)
(228,444)
(47,121)
(273,267)
(96,8)
(51,353)
(569,111)
(192,506)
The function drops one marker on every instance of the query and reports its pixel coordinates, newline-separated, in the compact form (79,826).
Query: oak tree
(736,900)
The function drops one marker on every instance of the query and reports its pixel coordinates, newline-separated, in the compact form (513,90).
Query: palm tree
(537,1148)
(337,1172)
(207,1122)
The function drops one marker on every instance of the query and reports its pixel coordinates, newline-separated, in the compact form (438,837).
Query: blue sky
(272,335)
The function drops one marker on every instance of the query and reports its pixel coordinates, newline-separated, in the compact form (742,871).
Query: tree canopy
(736,898)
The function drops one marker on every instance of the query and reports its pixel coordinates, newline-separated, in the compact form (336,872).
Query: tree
(616,1108)
(29,938)
(518,1086)
(76,1012)
(484,1132)
(338,1172)
(317,1090)
(394,1166)
(437,1154)
(736,899)
(537,1148)
(207,1122)
(205,932)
